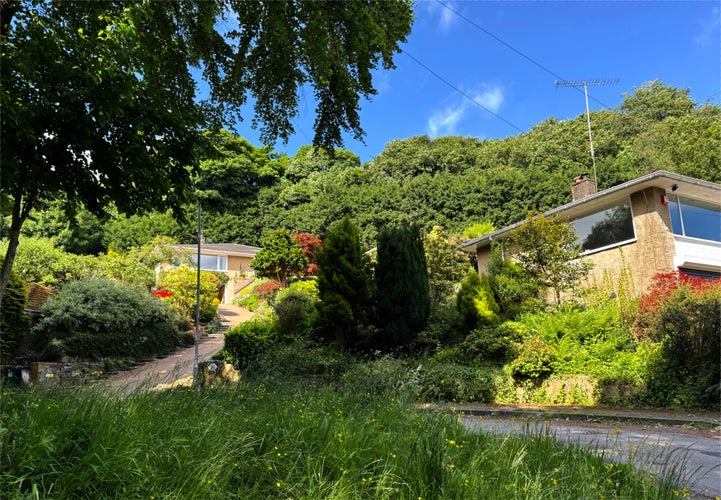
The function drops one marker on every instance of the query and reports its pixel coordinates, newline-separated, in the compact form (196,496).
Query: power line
(499,40)
(464,94)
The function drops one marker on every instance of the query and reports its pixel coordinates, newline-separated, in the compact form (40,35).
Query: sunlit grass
(254,441)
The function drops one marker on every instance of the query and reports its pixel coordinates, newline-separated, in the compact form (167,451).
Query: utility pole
(586,84)
(197,302)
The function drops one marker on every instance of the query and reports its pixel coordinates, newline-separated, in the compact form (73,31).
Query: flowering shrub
(162,293)
(663,285)
(181,284)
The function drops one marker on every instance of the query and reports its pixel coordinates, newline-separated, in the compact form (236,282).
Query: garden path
(177,368)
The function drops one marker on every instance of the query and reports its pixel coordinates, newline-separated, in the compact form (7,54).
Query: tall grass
(253,442)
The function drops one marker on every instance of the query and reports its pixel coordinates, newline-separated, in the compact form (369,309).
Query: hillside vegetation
(453,182)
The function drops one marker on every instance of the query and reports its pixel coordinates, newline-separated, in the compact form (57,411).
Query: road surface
(697,453)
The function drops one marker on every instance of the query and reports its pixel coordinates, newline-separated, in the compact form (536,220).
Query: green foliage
(295,308)
(285,442)
(402,285)
(342,286)
(654,101)
(248,340)
(546,249)
(97,318)
(475,301)
(14,322)
(534,359)
(37,260)
(494,342)
(688,373)
(182,282)
(280,257)
(512,289)
(446,265)
(478,229)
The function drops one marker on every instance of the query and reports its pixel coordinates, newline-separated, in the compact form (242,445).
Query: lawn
(257,441)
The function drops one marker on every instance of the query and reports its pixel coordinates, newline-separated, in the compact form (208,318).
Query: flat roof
(681,185)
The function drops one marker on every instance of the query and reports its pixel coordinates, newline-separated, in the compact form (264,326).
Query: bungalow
(230,258)
(659,222)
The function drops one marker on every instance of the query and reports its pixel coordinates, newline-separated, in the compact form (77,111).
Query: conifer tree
(342,285)
(402,279)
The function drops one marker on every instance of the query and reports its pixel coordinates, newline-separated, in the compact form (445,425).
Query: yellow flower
(277,484)
(393,455)
(554,480)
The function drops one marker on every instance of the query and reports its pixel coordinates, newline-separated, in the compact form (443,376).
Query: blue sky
(632,41)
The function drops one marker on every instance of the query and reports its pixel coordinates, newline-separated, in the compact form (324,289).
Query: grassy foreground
(253,442)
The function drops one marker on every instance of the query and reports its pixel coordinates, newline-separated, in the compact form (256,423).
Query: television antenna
(586,84)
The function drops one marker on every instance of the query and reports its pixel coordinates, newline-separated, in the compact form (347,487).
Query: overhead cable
(464,94)
(506,44)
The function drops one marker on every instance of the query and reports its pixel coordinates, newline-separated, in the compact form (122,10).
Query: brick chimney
(582,187)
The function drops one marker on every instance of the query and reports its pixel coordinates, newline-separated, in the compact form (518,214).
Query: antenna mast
(586,84)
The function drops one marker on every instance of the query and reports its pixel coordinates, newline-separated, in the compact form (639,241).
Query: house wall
(238,263)
(651,253)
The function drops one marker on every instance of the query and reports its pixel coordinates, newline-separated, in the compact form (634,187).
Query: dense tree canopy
(454,182)
(100,106)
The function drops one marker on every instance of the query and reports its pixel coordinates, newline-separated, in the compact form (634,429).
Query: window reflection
(608,227)
(694,218)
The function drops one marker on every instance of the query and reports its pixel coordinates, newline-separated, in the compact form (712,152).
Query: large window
(609,227)
(694,218)
(212,262)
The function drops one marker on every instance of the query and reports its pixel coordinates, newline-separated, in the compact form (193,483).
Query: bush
(295,308)
(300,361)
(14,322)
(245,342)
(475,301)
(182,282)
(688,372)
(534,359)
(454,382)
(495,343)
(96,318)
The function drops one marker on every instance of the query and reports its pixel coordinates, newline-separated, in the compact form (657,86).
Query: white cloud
(447,120)
(709,28)
(446,17)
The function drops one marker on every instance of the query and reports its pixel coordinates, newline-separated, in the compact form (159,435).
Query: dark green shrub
(402,285)
(688,373)
(14,322)
(97,318)
(299,361)
(492,343)
(248,340)
(444,323)
(295,308)
(343,297)
(454,382)
(534,359)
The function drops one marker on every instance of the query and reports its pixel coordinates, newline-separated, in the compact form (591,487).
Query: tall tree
(99,105)
(547,251)
(280,258)
(446,264)
(404,301)
(342,285)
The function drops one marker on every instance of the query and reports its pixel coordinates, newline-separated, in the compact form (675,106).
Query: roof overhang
(679,184)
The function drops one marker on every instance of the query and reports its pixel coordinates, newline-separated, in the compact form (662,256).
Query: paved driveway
(178,366)
(696,453)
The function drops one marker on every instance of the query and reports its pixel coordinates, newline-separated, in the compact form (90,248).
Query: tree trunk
(19,215)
